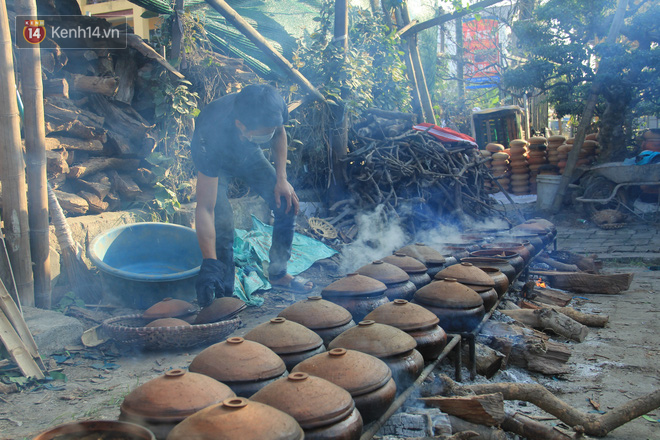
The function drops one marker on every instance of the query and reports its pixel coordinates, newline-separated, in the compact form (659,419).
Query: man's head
(258,109)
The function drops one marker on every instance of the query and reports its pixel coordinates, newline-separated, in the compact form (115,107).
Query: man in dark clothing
(226,143)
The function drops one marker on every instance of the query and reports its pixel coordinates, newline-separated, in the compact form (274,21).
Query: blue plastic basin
(142,263)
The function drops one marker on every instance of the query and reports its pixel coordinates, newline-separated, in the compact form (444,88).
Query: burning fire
(540,283)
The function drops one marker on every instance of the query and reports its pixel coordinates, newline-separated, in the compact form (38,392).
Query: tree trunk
(12,170)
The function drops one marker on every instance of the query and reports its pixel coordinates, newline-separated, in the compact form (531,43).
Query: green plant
(69,299)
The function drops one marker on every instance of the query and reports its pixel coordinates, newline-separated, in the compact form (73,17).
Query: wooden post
(588,112)
(178,56)
(35,153)
(246,29)
(449,17)
(12,170)
(460,83)
(410,70)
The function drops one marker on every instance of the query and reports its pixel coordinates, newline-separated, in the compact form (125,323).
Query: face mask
(261,139)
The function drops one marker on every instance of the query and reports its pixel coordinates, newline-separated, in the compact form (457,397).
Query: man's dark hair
(259,105)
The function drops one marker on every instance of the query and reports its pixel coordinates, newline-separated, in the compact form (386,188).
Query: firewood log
(72,203)
(583,282)
(488,361)
(97,164)
(56,162)
(93,84)
(485,432)
(126,71)
(124,185)
(63,115)
(114,203)
(99,189)
(484,409)
(531,429)
(550,296)
(92,146)
(588,319)
(96,205)
(56,87)
(548,319)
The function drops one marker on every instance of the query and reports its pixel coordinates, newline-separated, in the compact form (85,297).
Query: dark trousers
(259,175)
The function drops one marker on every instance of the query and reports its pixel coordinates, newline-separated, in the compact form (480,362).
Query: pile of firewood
(413,175)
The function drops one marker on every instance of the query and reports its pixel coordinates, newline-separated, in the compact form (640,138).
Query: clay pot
(97,429)
(238,418)
(322,409)
(466,273)
(396,279)
(357,293)
(535,240)
(517,247)
(416,270)
(365,377)
(459,308)
(220,309)
(232,363)
(161,403)
(393,346)
(415,320)
(487,294)
(457,252)
(171,308)
(168,322)
(326,319)
(501,280)
(513,258)
(289,340)
(429,257)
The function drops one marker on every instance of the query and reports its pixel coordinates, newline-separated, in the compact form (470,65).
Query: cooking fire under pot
(357,293)
(325,318)
(396,279)
(232,363)
(414,268)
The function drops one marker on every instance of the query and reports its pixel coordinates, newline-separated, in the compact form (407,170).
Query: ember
(540,283)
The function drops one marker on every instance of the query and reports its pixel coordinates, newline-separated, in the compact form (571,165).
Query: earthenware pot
(429,257)
(414,268)
(396,279)
(513,258)
(466,273)
(325,318)
(289,340)
(517,247)
(415,320)
(487,294)
(365,377)
(357,293)
(97,429)
(501,280)
(220,309)
(499,263)
(232,362)
(238,418)
(459,308)
(323,410)
(171,308)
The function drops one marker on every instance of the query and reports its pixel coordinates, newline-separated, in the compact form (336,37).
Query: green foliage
(69,299)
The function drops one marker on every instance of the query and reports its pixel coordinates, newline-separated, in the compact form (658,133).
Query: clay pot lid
(238,418)
(312,401)
(168,322)
(384,272)
(378,340)
(220,309)
(169,308)
(425,254)
(403,315)
(518,143)
(174,396)
(466,273)
(234,361)
(409,264)
(316,313)
(356,372)
(494,253)
(448,293)
(354,284)
(284,336)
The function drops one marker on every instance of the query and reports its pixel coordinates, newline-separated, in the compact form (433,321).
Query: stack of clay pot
(499,165)
(519,167)
(587,155)
(651,140)
(537,157)
(489,185)
(554,142)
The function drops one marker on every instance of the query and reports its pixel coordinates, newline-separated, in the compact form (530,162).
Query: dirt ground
(612,366)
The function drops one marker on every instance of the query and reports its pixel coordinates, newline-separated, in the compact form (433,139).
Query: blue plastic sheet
(251,259)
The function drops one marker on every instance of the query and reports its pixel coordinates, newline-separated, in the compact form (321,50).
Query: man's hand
(284,189)
(209,282)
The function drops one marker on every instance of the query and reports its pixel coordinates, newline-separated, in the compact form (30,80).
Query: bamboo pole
(449,17)
(588,113)
(251,33)
(35,154)
(12,170)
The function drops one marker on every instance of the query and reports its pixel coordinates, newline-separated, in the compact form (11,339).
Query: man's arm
(207,191)
(282,187)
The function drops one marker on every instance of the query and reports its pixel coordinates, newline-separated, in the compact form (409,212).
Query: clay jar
(415,269)
(238,418)
(499,263)
(459,308)
(232,362)
(97,429)
(171,308)
(322,409)
(393,346)
(513,258)
(517,247)
(289,340)
(357,293)
(161,403)
(415,320)
(220,309)
(429,257)
(501,280)
(365,377)
(326,319)
(474,278)
(396,279)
